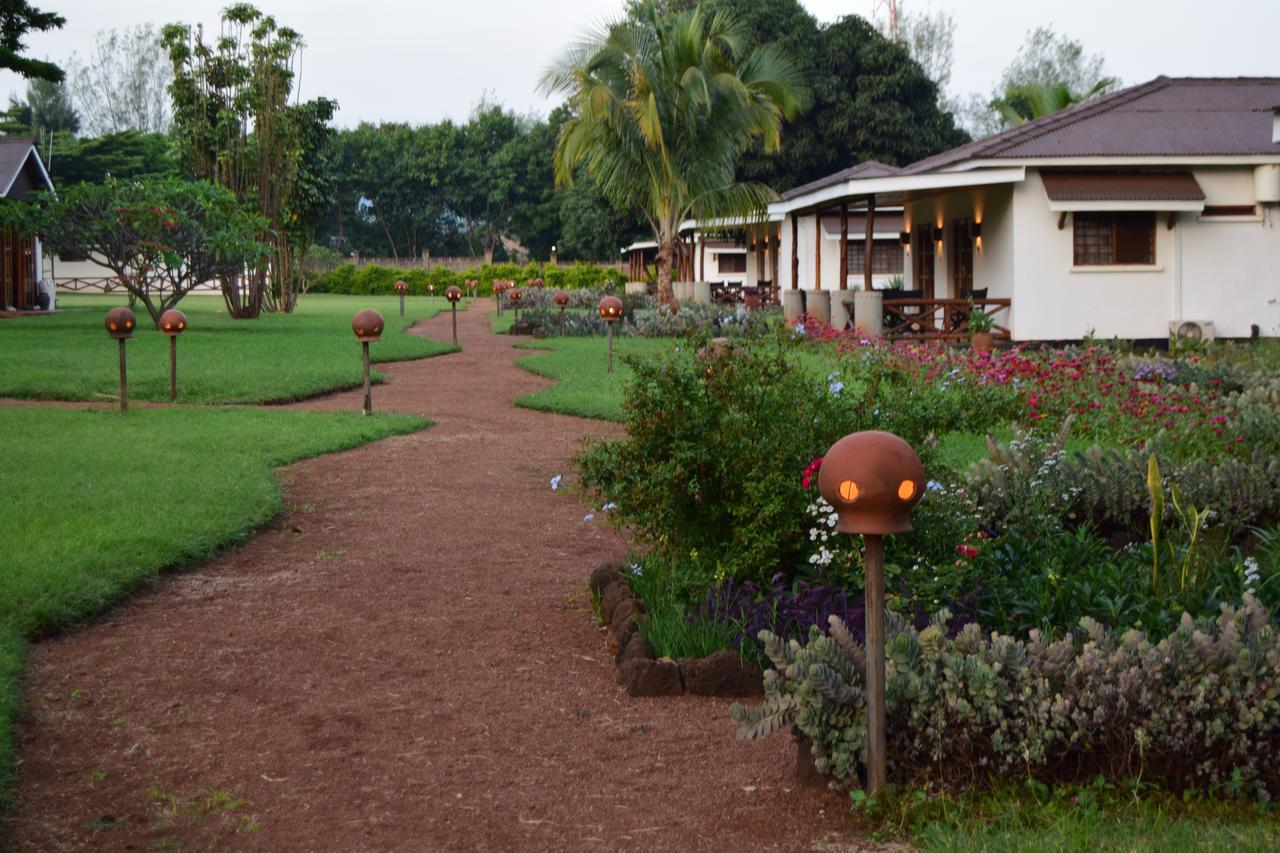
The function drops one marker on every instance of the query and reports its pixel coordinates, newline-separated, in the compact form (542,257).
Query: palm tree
(1030,101)
(664,106)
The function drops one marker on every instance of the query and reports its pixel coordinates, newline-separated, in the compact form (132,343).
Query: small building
(22,174)
(1136,214)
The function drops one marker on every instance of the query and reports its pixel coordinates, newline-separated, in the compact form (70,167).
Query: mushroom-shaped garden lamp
(120,323)
(173,323)
(402,288)
(499,287)
(368,325)
(514,296)
(453,294)
(873,480)
(561,300)
(611,311)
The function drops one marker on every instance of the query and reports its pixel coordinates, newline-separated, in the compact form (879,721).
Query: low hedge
(1198,709)
(377,280)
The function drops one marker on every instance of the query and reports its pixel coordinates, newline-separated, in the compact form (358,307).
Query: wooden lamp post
(515,296)
(402,289)
(873,480)
(120,323)
(562,302)
(367,325)
(173,323)
(453,294)
(611,311)
(499,287)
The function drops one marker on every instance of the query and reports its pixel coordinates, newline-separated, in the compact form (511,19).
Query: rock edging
(642,673)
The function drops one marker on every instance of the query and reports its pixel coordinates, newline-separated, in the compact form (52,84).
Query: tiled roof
(865,169)
(1166,117)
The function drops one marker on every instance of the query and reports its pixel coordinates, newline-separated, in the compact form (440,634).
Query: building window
(1112,239)
(68,256)
(1212,211)
(886,257)
(732,263)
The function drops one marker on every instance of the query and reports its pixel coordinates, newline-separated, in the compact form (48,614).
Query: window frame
(1114,221)
(881,249)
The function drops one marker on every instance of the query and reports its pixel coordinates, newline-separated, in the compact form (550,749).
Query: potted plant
(980,325)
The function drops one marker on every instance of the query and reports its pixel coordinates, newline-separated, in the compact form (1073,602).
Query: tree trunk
(666,256)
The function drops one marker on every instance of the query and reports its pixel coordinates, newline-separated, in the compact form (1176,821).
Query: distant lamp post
(611,311)
(173,323)
(553,256)
(367,325)
(515,296)
(120,323)
(499,288)
(562,302)
(402,289)
(537,282)
(431,289)
(453,294)
(873,480)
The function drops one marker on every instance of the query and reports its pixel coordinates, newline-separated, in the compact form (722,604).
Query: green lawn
(68,356)
(584,387)
(99,504)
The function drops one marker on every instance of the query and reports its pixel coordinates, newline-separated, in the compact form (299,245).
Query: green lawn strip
(1084,818)
(277,357)
(584,387)
(99,504)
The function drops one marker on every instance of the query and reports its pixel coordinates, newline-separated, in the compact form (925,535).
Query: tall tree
(51,108)
(124,156)
(665,105)
(235,126)
(123,85)
(17,18)
(1030,101)
(869,98)
(1050,72)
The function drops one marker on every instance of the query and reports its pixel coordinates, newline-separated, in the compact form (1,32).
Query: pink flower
(806,479)
(966,550)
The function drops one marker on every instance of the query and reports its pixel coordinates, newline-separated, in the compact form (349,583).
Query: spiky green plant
(664,106)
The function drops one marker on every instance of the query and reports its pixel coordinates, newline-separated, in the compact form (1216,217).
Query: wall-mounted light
(975,231)
(937,237)
(904,240)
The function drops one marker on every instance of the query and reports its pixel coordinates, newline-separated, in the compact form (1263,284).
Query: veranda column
(774,248)
(839,308)
(817,303)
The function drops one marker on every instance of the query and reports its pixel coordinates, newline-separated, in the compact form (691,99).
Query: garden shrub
(375,279)
(1197,709)
(708,471)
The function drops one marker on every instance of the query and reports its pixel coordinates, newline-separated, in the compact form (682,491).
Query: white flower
(935,486)
(836,387)
(636,570)
(1252,573)
(609,507)
(799,329)
(555,482)
(589,517)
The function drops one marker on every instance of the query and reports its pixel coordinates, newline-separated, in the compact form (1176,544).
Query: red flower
(966,550)
(806,479)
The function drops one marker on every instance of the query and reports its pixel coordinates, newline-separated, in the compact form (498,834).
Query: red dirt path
(406,660)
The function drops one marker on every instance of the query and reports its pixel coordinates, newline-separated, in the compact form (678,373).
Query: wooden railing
(941,319)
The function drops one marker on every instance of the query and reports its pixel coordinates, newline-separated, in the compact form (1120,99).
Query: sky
(423,61)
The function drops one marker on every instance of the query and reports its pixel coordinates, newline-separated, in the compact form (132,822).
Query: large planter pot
(868,312)
(817,304)
(702,292)
(683,290)
(792,305)
(983,342)
(841,309)
(637,287)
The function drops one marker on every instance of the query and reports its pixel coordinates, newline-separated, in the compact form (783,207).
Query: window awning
(1084,191)
(887,225)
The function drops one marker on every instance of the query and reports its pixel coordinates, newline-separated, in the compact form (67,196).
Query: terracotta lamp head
(120,323)
(561,299)
(873,480)
(367,325)
(536,282)
(453,294)
(401,287)
(515,295)
(611,308)
(173,322)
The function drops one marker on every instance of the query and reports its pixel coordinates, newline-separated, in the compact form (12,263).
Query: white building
(1151,206)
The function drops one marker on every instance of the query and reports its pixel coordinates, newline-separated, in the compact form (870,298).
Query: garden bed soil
(407,659)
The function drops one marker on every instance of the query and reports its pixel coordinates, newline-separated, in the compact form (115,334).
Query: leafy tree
(869,99)
(123,85)
(51,107)
(1021,104)
(665,105)
(125,155)
(161,237)
(17,18)
(16,121)
(235,126)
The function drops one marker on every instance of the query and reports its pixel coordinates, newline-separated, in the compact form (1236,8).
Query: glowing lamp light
(120,323)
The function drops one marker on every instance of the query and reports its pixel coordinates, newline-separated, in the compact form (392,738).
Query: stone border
(721,674)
